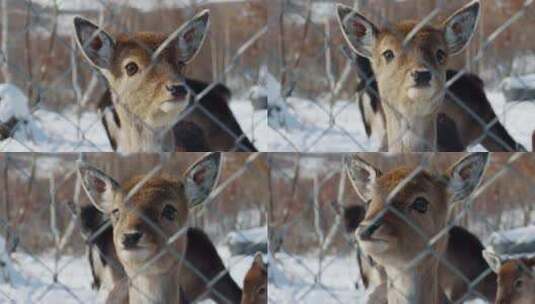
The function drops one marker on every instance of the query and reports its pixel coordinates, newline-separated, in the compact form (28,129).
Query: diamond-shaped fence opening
(201,82)
(365,227)
(194,225)
(334,95)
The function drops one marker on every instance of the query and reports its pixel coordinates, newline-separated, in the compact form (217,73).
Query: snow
(60,132)
(519,82)
(64,132)
(519,241)
(34,279)
(315,131)
(294,279)
(254,235)
(13,103)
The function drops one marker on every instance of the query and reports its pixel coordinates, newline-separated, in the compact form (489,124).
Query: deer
(463,252)
(151,236)
(107,271)
(255,282)
(150,105)
(410,62)
(404,228)
(516,278)
(454,133)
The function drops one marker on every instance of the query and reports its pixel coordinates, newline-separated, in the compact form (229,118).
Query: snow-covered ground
(294,279)
(317,132)
(65,132)
(33,279)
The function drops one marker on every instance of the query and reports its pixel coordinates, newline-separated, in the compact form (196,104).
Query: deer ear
(259,261)
(465,175)
(191,35)
(201,177)
(358,31)
(96,45)
(461,26)
(494,261)
(100,188)
(362,176)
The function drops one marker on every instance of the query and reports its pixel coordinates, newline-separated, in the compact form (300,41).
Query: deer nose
(179,91)
(422,77)
(130,240)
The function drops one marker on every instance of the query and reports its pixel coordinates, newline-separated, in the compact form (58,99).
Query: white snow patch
(66,132)
(35,281)
(519,82)
(254,235)
(13,103)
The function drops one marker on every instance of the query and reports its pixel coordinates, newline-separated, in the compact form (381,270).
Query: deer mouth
(173,105)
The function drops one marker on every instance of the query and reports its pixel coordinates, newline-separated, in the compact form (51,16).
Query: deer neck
(410,133)
(134,135)
(418,285)
(155,288)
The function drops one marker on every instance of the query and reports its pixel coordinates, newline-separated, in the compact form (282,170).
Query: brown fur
(147,115)
(401,219)
(410,71)
(509,275)
(255,284)
(146,220)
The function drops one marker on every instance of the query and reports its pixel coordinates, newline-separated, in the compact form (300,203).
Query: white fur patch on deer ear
(466,175)
(358,31)
(96,45)
(191,35)
(362,176)
(494,261)
(201,178)
(461,26)
(100,187)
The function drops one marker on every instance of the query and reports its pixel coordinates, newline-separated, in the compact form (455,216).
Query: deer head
(516,279)
(150,218)
(145,71)
(255,282)
(407,211)
(410,62)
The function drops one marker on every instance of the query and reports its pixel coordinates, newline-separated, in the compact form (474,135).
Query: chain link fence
(55,100)
(317,214)
(49,220)
(327,94)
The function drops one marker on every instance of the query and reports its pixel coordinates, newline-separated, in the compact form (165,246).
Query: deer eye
(169,213)
(441,56)
(420,204)
(389,55)
(262,291)
(519,283)
(131,69)
(115,214)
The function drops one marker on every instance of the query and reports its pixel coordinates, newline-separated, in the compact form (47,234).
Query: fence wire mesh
(330,96)
(54,212)
(320,228)
(55,100)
